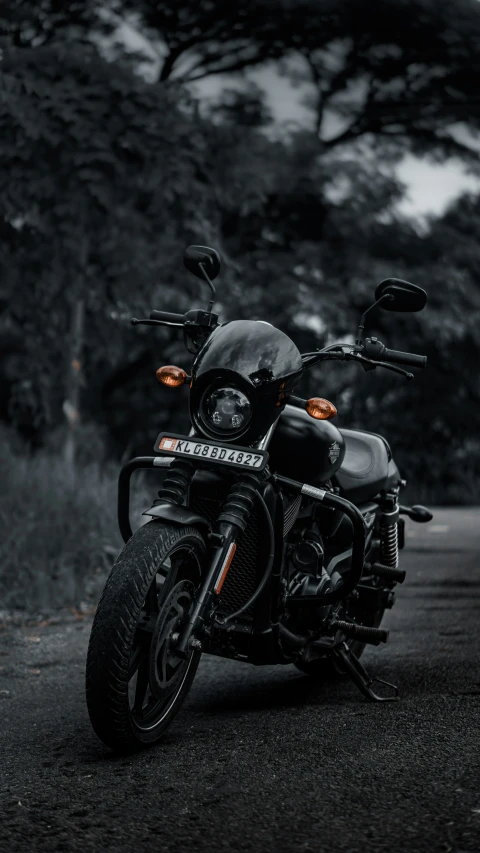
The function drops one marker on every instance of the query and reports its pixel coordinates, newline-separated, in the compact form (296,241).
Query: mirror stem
(211,285)
(361,326)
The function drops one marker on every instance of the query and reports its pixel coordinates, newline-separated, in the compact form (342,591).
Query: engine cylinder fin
(290,515)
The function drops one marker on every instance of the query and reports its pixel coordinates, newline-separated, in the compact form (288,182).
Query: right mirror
(403,296)
(196,255)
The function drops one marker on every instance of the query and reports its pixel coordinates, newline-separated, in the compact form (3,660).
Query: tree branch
(169,63)
(337,82)
(237,66)
(351,132)
(207,60)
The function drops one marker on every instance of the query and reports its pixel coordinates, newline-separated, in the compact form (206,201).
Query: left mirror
(402,295)
(209,258)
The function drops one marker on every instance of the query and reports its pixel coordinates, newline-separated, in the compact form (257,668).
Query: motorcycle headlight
(225,410)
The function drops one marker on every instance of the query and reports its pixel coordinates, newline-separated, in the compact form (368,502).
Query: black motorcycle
(275,535)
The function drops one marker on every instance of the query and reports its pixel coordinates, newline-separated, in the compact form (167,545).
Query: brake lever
(164,323)
(135,322)
(394,369)
(370,364)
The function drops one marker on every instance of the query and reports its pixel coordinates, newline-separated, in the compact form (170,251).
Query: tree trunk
(71,405)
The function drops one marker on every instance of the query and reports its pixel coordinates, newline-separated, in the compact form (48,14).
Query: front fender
(177,514)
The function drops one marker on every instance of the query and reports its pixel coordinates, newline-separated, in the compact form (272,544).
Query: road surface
(262,759)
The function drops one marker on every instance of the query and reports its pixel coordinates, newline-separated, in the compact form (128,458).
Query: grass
(58,532)
(460,490)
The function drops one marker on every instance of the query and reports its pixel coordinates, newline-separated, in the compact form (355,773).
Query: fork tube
(229,532)
(232,522)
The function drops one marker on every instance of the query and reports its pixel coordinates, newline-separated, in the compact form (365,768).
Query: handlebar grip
(168,317)
(409,358)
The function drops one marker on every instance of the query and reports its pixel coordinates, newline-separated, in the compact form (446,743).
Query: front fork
(194,626)
(231,523)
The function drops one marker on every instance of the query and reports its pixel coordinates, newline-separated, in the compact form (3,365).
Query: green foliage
(308,250)
(98,178)
(408,74)
(105,178)
(32,24)
(213,36)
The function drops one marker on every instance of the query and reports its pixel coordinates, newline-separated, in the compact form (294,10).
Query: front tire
(134,683)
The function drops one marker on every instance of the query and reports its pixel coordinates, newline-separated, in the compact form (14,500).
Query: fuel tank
(305,449)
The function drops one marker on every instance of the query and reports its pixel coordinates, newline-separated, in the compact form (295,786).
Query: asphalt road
(262,759)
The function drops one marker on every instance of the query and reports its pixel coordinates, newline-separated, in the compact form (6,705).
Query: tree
(410,73)
(196,39)
(104,178)
(26,24)
(308,241)
(94,161)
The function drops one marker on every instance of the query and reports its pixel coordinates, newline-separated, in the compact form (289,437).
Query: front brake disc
(165,668)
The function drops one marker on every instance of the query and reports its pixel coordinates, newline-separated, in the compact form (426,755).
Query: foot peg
(375,636)
(417,513)
(350,664)
(387,572)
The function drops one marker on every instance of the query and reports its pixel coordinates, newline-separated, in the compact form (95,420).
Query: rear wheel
(135,684)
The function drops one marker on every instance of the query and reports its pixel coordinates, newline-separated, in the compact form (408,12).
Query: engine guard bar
(335,501)
(358,544)
(123,501)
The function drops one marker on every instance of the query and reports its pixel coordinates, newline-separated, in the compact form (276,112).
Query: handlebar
(372,352)
(409,358)
(374,349)
(168,317)
(196,324)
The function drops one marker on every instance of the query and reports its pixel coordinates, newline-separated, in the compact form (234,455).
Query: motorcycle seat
(367,467)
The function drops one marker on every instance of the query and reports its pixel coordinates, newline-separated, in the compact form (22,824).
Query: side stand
(350,664)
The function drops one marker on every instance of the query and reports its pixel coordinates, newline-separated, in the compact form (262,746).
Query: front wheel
(135,684)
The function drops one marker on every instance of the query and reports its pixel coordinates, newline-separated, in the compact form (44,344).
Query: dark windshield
(259,352)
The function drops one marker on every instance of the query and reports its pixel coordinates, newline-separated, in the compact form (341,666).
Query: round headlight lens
(226,409)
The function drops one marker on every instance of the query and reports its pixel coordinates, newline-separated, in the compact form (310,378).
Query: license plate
(205,450)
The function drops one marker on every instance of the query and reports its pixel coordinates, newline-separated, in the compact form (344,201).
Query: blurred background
(320,146)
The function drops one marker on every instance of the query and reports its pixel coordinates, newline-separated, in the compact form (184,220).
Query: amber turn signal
(171,376)
(320,409)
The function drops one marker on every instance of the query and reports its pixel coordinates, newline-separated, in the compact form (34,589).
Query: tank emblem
(334,452)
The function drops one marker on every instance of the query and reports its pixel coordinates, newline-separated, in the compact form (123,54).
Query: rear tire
(134,683)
